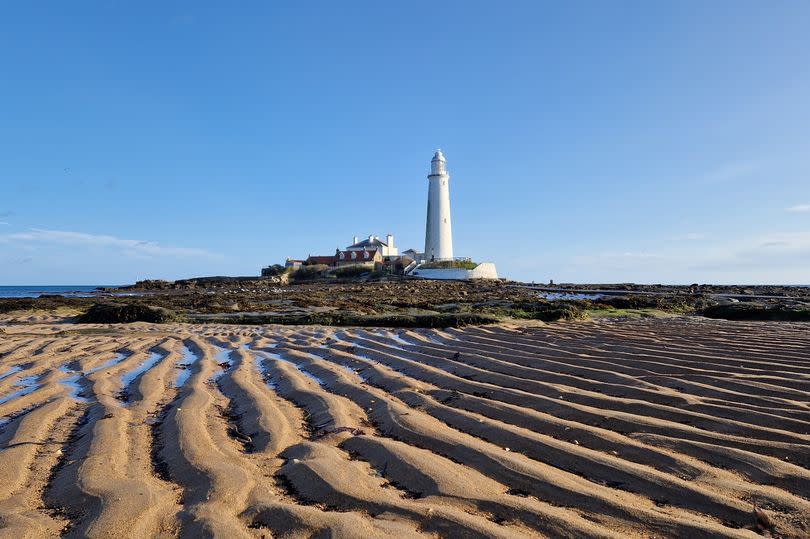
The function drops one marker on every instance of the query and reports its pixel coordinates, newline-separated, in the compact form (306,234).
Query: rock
(104,313)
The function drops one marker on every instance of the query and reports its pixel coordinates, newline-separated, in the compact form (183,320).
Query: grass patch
(308,273)
(627,313)
(450,264)
(352,271)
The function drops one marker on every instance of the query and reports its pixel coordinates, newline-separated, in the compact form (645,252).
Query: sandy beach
(674,427)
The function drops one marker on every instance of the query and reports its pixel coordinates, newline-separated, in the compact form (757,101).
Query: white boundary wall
(484,270)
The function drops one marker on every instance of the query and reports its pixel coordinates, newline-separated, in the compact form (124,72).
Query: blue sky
(586,141)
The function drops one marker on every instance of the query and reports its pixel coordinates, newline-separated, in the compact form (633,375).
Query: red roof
(328,260)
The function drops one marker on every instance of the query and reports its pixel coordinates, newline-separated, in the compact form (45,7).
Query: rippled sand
(672,427)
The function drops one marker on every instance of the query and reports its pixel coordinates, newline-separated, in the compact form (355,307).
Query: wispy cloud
(3,222)
(619,259)
(691,236)
(731,172)
(799,208)
(769,257)
(128,247)
(785,253)
(788,242)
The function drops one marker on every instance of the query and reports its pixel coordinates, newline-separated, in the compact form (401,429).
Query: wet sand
(673,427)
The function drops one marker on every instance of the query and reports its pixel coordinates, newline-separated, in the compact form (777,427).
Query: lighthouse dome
(437,164)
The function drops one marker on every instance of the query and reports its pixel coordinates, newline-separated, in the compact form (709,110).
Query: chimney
(389,239)
(371,237)
(354,240)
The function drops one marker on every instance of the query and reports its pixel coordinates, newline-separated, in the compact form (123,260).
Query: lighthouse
(438,230)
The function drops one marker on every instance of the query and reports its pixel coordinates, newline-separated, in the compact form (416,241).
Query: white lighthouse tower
(438,231)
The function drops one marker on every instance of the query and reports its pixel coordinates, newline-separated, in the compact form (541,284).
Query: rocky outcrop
(759,311)
(102,313)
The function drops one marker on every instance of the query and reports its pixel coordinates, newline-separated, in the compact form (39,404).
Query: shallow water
(188,359)
(552,296)
(222,355)
(372,360)
(8,419)
(362,356)
(72,382)
(12,370)
(355,372)
(36,291)
(277,357)
(27,384)
(259,360)
(249,349)
(130,376)
(310,375)
(119,357)
(433,339)
(383,335)
(397,337)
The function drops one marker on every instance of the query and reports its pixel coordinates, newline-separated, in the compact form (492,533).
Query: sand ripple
(641,428)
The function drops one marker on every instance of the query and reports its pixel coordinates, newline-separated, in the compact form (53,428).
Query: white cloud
(799,208)
(133,248)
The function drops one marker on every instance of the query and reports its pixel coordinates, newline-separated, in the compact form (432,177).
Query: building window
(365,254)
(354,255)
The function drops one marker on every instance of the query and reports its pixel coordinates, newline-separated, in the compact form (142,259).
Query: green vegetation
(450,264)
(613,307)
(274,270)
(308,273)
(346,272)
(610,312)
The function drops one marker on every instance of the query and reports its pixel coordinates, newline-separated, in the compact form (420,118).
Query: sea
(76,291)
